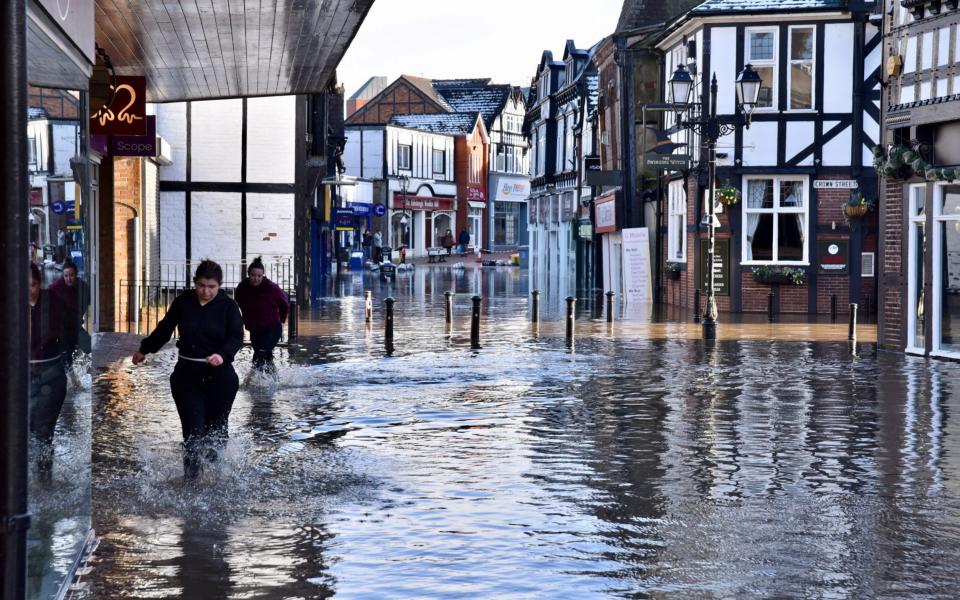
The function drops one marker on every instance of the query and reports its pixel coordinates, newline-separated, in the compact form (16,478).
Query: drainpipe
(14,310)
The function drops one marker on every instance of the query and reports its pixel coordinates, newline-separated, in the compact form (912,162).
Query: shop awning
(228,48)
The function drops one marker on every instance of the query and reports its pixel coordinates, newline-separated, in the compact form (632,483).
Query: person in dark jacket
(203,382)
(48,379)
(464,241)
(265,309)
(74,295)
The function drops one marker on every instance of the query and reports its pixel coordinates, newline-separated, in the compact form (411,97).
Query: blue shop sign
(343,219)
(362,210)
(379,209)
(58,207)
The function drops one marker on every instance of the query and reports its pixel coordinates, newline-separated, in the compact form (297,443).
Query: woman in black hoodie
(48,379)
(203,383)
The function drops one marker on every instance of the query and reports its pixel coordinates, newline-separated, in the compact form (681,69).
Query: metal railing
(279,269)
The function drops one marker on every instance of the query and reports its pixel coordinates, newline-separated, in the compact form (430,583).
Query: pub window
(439,162)
(775,213)
(404,156)
(761,52)
(677,222)
(801,74)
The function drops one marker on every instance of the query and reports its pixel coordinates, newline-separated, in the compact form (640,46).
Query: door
(916,256)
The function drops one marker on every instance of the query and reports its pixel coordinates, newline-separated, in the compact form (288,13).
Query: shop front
(508,220)
(415,221)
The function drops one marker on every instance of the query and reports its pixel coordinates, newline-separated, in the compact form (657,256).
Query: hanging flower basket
(857,207)
(728,195)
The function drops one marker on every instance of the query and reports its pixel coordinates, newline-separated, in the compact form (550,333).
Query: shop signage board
(721,267)
(58,207)
(475,193)
(421,203)
(127,114)
(512,190)
(605,217)
(360,209)
(835,184)
(833,256)
(136,145)
(343,219)
(379,209)
(637,283)
(585,230)
(666,162)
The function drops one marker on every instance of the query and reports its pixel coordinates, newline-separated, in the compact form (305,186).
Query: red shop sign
(401,202)
(127,114)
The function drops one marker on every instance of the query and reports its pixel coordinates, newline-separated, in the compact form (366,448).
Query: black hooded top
(213,328)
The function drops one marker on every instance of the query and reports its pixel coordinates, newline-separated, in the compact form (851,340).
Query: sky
(445,39)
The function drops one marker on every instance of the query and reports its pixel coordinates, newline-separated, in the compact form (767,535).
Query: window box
(778,275)
(674,270)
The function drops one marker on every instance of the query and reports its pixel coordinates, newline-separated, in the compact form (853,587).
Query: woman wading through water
(48,377)
(265,308)
(203,382)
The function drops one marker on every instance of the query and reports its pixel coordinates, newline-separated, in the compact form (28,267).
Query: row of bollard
(389,303)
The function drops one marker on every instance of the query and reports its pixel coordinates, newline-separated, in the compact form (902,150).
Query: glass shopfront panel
(60,343)
(947,248)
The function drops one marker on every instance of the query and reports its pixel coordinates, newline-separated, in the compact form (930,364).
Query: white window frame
(676,222)
(804,210)
(813,69)
(775,101)
(400,156)
(939,219)
(443,161)
(916,197)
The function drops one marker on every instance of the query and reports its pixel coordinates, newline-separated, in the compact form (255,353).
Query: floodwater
(624,466)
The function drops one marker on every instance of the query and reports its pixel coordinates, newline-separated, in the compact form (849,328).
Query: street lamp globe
(681,85)
(749,83)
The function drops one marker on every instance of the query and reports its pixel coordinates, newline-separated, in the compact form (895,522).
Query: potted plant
(672,270)
(857,206)
(727,194)
(778,275)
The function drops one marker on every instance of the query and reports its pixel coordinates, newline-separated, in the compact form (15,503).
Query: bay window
(775,214)
(676,222)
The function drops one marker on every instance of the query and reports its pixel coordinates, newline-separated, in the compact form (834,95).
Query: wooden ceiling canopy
(200,49)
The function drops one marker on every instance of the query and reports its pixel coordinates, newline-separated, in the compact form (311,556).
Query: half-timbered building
(919,163)
(806,155)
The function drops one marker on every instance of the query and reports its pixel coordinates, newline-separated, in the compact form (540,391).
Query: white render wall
(216,139)
(215,220)
(369,143)
(173,222)
(271,139)
(269,226)
(172,126)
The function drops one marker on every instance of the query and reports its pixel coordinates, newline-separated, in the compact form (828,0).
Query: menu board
(721,267)
(636,265)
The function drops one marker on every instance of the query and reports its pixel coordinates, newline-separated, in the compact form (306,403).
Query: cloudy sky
(501,39)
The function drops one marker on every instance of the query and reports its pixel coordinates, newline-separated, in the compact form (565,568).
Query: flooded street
(626,466)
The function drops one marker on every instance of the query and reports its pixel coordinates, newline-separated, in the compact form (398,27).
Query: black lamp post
(404,185)
(711,128)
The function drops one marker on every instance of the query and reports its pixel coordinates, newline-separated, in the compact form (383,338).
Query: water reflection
(631,467)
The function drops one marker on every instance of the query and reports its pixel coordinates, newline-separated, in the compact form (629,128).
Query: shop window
(775,214)
(801,73)
(761,52)
(946,265)
(676,222)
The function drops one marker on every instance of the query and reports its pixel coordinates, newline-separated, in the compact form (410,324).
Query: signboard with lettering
(605,213)
(833,256)
(721,267)
(343,219)
(637,285)
(475,193)
(511,190)
(835,184)
(127,114)
(591,163)
(421,202)
(667,162)
(136,145)
(360,209)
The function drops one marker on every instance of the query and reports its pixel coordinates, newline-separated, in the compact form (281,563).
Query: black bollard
(292,322)
(696,306)
(770,315)
(475,324)
(852,328)
(368,306)
(833,308)
(571,317)
(535,306)
(610,307)
(448,304)
(388,325)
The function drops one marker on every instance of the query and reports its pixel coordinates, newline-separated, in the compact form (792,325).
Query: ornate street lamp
(712,128)
(404,185)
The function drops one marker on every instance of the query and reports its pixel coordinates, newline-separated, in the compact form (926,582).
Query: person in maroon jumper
(74,294)
(264,307)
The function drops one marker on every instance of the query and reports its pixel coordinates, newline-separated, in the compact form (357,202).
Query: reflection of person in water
(203,383)
(48,380)
(265,308)
(74,295)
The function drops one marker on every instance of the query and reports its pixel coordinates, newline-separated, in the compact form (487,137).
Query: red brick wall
(118,206)
(462,150)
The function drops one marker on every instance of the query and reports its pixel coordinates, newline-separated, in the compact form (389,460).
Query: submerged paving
(628,465)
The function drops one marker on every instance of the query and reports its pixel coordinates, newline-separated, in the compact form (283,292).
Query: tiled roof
(746,6)
(488,100)
(641,13)
(454,123)
(426,86)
